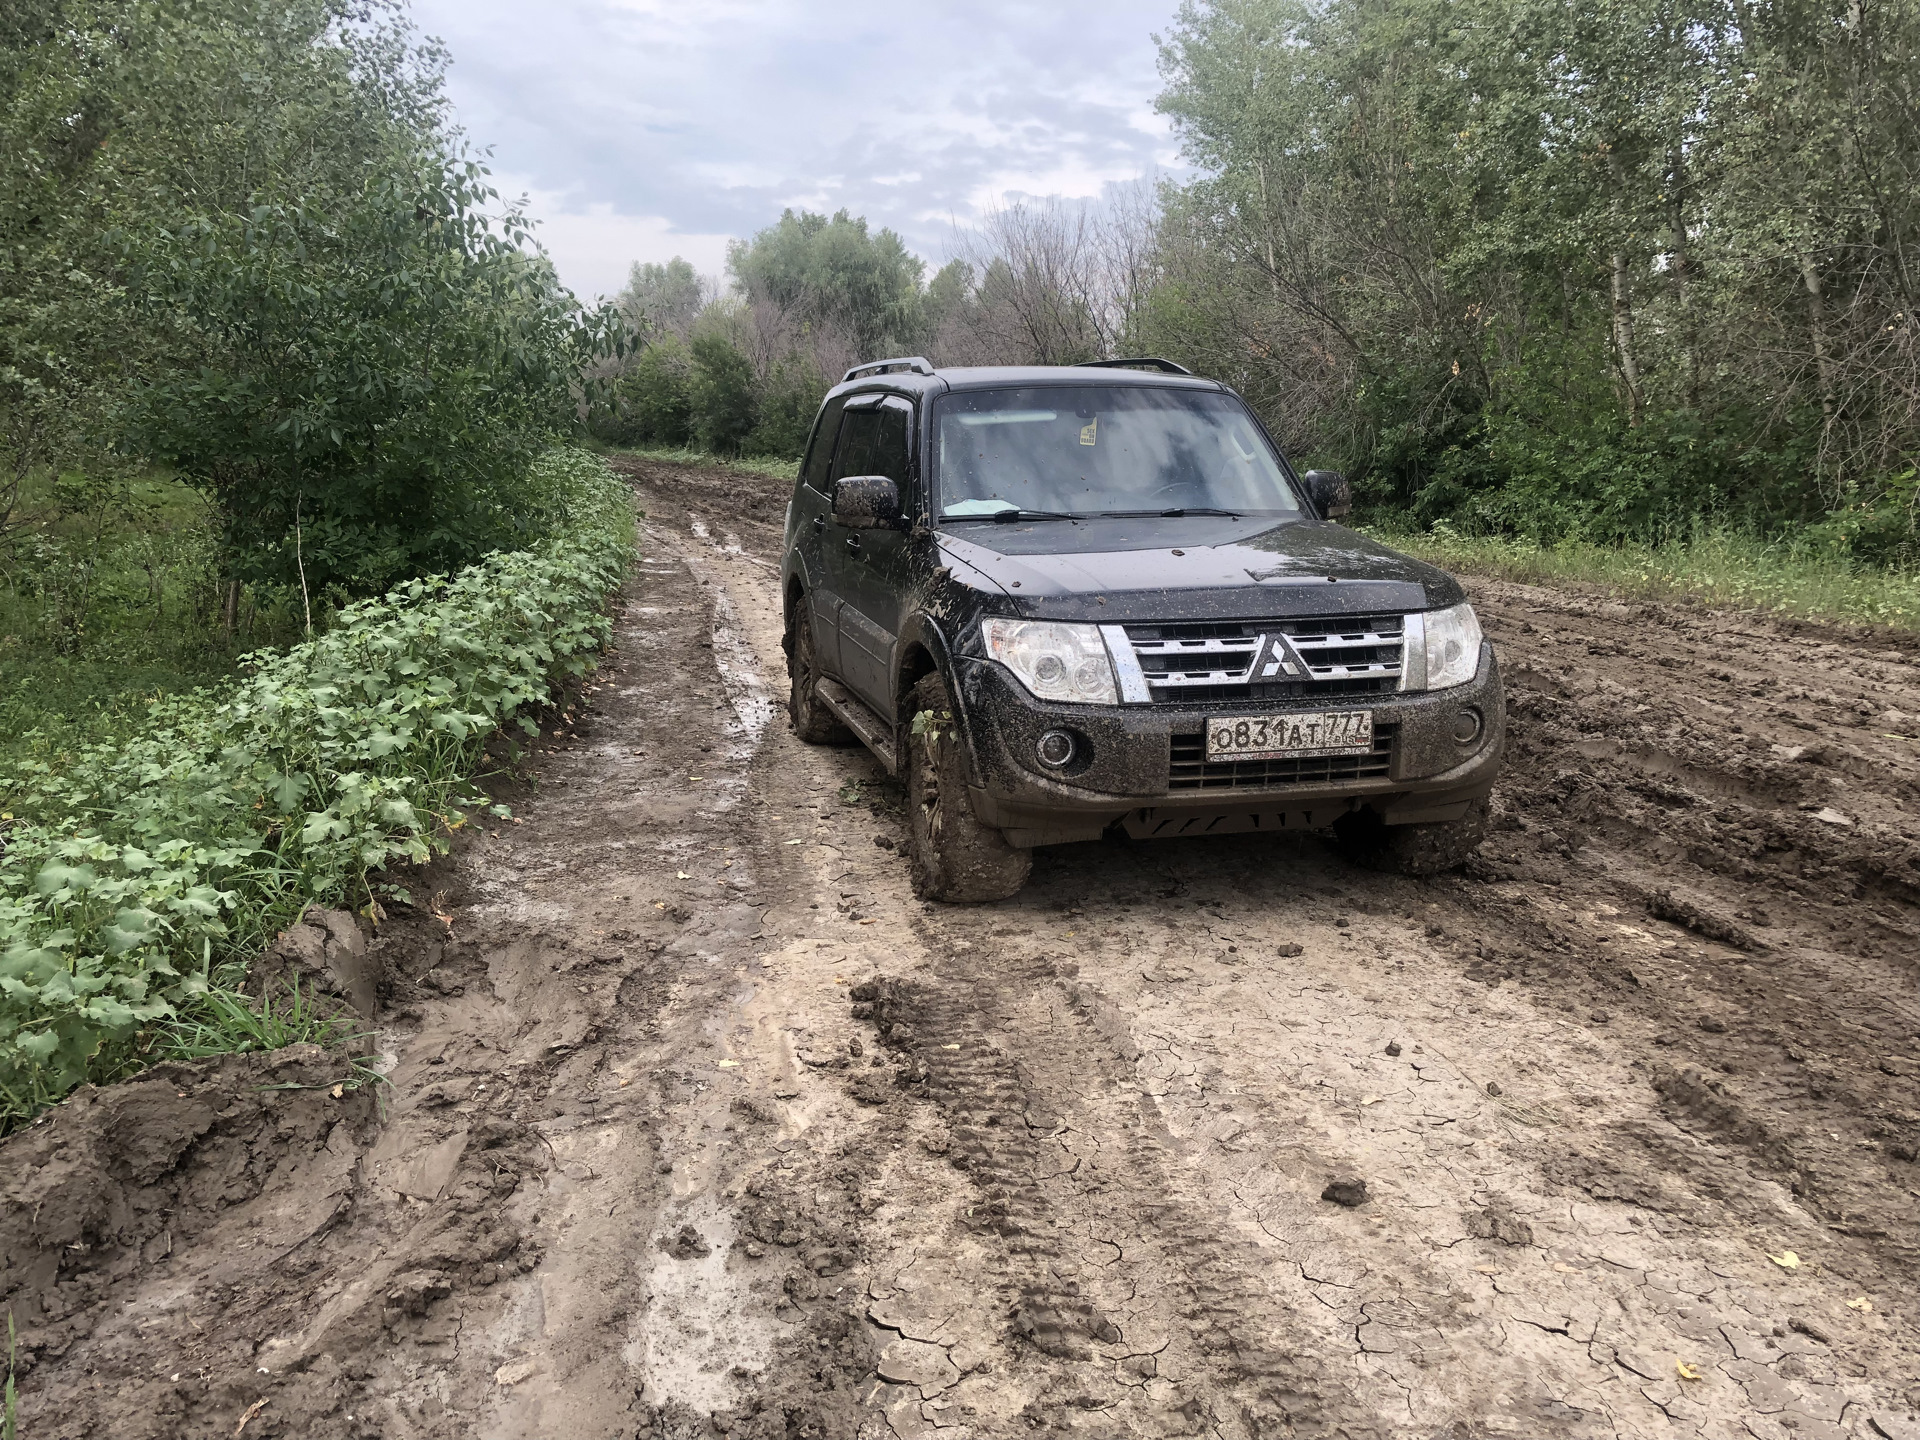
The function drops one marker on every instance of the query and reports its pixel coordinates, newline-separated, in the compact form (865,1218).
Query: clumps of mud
(1663,904)
(114,1181)
(326,953)
(193,1245)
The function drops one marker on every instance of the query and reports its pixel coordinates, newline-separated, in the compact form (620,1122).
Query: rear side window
(874,442)
(820,453)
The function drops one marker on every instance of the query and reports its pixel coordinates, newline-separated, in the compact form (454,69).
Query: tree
(659,392)
(245,243)
(833,275)
(1059,281)
(662,299)
(724,402)
(1555,269)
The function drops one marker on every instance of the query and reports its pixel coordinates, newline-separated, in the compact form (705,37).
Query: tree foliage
(811,295)
(830,275)
(1561,269)
(662,300)
(242,240)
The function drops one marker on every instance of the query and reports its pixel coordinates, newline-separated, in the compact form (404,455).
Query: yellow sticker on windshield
(1086,431)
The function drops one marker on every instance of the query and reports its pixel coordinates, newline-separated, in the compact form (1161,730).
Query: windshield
(1096,450)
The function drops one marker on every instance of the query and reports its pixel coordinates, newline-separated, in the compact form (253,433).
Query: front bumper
(1125,767)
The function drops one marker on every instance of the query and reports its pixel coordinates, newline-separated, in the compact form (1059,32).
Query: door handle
(853,543)
(819,522)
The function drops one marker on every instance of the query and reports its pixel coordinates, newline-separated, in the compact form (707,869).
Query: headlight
(1443,649)
(1055,662)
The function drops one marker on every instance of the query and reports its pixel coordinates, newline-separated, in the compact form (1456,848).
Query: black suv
(1069,599)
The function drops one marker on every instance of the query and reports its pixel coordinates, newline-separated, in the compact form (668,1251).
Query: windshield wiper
(1011,514)
(1172,514)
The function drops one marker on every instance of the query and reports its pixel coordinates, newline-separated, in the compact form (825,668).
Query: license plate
(1267,737)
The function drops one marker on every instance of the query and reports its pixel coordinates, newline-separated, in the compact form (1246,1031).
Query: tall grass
(111,596)
(227,1022)
(1715,567)
(686,455)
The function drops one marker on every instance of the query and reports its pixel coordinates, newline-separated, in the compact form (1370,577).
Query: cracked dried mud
(698,1123)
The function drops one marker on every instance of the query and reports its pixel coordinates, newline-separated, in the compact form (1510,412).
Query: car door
(813,537)
(869,566)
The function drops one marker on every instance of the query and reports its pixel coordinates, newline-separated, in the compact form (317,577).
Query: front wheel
(1413,849)
(951,855)
(812,721)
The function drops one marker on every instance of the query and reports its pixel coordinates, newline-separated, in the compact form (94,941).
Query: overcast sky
(644,129)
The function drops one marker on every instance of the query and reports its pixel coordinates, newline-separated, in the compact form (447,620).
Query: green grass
(686,455)
(226,1022)
(111,597)
(1716,568)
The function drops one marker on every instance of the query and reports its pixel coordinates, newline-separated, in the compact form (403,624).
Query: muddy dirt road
(700,1124)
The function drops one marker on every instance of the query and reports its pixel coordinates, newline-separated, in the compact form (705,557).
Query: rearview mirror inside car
(866,502)
(1330,493)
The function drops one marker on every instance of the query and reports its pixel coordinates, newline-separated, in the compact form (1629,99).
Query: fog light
(1466,726)
(1055,748)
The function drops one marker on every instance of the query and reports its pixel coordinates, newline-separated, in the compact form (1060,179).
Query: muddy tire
(1413,849)
(812,721)
(950,854)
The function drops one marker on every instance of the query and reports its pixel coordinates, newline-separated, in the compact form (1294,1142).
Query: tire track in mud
(1178,1299)
(1773,797)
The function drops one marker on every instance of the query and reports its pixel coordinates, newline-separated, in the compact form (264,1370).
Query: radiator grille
(1188,661)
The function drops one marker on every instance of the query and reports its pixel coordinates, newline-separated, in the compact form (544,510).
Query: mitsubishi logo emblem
(1275,656)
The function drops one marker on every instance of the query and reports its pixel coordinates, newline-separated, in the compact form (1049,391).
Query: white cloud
(593,247)
(660,123)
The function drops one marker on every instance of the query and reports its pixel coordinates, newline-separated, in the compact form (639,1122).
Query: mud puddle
(700,1124)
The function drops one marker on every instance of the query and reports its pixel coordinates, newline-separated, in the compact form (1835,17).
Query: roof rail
(919,364)
(1155,361)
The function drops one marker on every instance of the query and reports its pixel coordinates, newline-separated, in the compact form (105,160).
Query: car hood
(1198,568)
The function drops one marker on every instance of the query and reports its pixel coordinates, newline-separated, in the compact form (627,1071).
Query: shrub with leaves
(131,872)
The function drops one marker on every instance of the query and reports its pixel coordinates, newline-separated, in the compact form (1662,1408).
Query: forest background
(1617,273)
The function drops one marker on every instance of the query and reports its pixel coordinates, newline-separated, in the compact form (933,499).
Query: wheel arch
(922,651)
(794,588)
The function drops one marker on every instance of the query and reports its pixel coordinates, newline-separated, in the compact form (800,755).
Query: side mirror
(1330,493)
(866,502)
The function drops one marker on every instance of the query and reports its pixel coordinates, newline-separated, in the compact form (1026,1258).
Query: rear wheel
(1413,849)
(951,855)
(812,721)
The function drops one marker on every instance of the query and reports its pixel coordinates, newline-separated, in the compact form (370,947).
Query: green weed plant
(134,872)
(228,1022)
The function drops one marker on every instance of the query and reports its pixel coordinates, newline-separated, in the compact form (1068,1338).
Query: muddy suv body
(1124,657)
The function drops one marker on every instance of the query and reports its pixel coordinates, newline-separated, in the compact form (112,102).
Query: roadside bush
(244,242)
(652,403)
(723,394)
(661,391)
(132,872)
(788,402)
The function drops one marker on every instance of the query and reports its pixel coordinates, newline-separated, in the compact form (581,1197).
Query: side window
(820,452)
(875,442)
